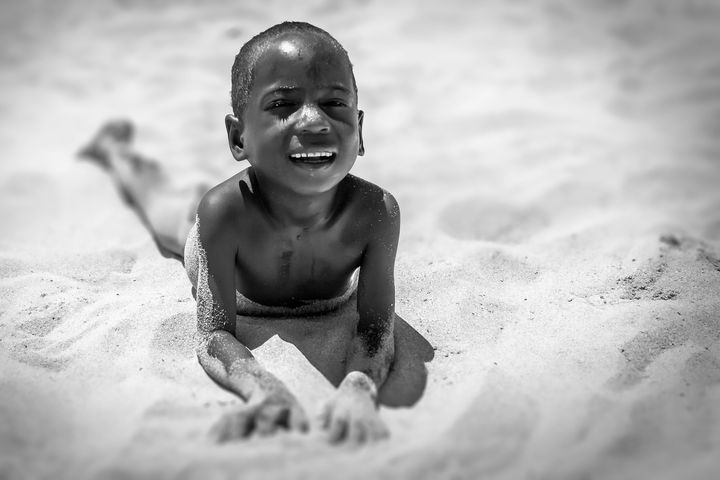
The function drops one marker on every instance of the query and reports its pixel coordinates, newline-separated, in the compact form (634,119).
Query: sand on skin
(556,165)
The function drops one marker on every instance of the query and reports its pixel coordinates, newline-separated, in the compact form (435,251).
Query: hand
(352,415)
(265,416)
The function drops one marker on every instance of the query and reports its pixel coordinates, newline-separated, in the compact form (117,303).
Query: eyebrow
(337,86)
(291,89)
(282,90)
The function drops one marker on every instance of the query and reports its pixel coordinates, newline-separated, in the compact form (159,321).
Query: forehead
(301,59)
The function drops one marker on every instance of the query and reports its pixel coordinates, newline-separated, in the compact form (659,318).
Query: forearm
(232,366)
(371,353)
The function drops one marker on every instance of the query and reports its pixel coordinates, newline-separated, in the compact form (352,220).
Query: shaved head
(243,69)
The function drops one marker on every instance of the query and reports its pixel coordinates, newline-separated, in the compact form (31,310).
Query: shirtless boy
(290,231)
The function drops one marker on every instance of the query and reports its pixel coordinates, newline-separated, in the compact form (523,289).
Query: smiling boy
(292,229)
(283,246)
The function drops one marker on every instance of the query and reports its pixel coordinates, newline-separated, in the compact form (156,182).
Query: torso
(288,266)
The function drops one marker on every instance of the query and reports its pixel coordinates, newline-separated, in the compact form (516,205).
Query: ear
(361,148)
(234,127)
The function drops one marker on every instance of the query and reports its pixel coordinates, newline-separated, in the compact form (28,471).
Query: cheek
(349,127)
(266,138)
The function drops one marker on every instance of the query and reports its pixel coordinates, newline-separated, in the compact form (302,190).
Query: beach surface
(557,164)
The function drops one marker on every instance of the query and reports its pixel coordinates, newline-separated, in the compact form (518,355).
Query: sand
(557,168)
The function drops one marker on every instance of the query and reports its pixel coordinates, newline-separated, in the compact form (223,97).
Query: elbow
(207,343)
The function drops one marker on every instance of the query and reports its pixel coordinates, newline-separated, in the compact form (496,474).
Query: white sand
(557,164)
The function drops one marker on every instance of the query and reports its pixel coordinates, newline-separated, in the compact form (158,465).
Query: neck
(291,209)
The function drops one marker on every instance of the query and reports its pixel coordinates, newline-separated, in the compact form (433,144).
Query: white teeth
(311,155)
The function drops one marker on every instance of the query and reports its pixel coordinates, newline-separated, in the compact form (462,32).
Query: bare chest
(280,267)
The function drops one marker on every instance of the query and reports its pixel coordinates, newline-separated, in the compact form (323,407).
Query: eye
(280,103)
(336,102)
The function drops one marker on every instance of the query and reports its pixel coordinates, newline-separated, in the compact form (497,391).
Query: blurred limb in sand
(166,209)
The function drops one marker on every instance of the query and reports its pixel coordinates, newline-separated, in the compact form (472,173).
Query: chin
(320,180)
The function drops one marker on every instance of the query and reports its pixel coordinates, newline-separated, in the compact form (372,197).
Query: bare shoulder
(222,205)
(372,203)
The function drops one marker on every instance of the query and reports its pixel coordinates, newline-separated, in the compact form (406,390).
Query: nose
(312,120)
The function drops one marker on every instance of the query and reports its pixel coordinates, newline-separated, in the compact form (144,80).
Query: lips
(319,157)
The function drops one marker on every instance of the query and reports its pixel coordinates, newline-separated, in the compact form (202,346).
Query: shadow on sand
(324,341)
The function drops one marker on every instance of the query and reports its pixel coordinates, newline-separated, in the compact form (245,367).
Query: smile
(312,157)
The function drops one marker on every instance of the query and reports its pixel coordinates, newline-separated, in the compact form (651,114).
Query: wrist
(361,383)
(256,385)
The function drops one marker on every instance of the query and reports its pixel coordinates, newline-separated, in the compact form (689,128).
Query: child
(285,238)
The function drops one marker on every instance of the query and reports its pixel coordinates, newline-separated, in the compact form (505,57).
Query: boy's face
(301,129)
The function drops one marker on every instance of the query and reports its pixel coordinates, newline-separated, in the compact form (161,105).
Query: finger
(231,426)
(222,430)
(338,429)
(219,432)
(282,419)
(324,416)
(269,419)
(298,420)
(245,423)
(244,427)
(357,433)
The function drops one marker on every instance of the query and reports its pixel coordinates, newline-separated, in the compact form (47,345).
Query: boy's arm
(225,359)
(373,347)
(372,350)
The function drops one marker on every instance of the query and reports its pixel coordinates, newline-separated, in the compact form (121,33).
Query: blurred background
(481,96)
(484,97)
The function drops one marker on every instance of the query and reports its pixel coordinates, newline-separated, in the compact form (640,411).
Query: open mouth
(313,158)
